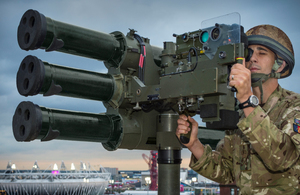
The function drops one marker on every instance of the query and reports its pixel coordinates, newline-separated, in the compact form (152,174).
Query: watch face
(254,100)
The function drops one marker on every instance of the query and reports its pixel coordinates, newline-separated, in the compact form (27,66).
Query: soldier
(262,155)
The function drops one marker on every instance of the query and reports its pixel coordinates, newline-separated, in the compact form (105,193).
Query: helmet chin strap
(257,79)
(276,66)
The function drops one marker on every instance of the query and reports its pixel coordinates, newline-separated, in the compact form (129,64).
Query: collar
(273,99)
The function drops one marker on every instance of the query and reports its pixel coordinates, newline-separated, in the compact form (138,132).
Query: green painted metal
(36,30)
(35,76)
(144,91)
(169,176)
(31,122)
(190,75)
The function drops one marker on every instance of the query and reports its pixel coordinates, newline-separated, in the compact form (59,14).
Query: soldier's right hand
(184,127)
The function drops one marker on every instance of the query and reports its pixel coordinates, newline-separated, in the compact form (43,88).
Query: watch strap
(248,103)
(243,105)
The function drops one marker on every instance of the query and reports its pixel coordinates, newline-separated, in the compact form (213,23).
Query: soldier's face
(262,60)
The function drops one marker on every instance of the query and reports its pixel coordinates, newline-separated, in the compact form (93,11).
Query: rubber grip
(185,138)
(240,61)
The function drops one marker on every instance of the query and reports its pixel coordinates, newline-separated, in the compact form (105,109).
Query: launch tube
(31,122)
(37,31)
(35,76)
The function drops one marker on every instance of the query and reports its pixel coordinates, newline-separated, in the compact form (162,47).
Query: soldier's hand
(240,78)
(184,127)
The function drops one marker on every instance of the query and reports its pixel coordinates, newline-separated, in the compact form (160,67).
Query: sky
(154,19)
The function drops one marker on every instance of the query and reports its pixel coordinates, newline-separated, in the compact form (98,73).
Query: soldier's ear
(283,64)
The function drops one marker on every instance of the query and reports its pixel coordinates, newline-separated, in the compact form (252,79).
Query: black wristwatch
(251,102)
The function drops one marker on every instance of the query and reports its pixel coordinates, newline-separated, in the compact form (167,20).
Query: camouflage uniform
(262,156)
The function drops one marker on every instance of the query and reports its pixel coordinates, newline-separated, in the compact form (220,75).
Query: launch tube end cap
(32,30)
(27,122)
(30,76)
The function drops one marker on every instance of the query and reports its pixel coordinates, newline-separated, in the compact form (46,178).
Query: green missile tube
(169,177)
(31,122)
(37,77)
(37,31)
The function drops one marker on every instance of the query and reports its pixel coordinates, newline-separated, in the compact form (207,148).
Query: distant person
(262,155)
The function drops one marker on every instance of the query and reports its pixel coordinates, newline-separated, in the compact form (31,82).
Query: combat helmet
(277,41)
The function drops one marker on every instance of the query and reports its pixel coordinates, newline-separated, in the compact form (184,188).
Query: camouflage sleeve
(215,165)
(278,148)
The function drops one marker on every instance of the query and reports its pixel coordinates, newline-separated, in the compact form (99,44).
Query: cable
(189,60)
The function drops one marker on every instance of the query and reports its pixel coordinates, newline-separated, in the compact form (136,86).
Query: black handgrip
(185,138)
(233,89)
(240,61)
